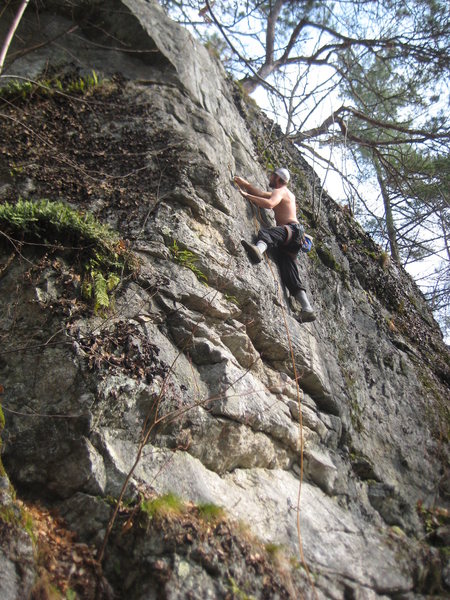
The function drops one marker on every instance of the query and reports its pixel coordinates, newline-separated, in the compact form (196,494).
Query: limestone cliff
(200,352)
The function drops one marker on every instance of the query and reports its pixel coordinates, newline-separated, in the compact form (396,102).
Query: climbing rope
(256,222)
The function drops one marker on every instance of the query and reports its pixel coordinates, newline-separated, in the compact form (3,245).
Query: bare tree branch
(11,32)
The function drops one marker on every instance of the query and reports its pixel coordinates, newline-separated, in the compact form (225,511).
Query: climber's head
(279,177)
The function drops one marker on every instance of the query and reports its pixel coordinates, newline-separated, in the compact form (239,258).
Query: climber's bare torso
(281,200)
(285,211)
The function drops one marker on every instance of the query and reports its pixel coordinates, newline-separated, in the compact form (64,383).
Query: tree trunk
(389,217)
(252,82)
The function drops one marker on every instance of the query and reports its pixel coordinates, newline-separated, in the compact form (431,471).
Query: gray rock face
(245,407)
(17,562)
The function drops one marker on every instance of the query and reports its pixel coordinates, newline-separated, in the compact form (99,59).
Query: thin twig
(11,32)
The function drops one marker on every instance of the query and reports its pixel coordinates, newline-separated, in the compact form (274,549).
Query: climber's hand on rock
(242,183)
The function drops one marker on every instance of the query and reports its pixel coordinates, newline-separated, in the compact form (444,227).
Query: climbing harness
(290,231)
(306,241)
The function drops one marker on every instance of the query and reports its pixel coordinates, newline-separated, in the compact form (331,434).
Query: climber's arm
(243,184)
(271,201)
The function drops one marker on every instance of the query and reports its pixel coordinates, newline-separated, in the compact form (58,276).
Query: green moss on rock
(326,256)
(104,256)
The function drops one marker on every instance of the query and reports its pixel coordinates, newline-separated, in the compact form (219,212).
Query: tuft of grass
(2,416)
(210,512)
(385,260)
(251,102)
(267,158)
(273,550)
(22,89)
(398,531)
(168,504)
(43,588)
(82,84)
(433,518)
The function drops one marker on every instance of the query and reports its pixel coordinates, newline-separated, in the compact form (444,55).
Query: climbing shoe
(253,252)
(305,316)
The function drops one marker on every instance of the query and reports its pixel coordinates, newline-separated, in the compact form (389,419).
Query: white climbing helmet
(283,174)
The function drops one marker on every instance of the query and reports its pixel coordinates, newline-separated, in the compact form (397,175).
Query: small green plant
(161,506)
(385,260)
(401,308)
(14,89)
(98,287)
(18,89)
(390,323)
(266,156)
(46,216)
(104,255)
(210,512)
(2,418)
(15,170)
(273,550)
(83,83)
(439,414)
(398,531)
(251,102)
(237,592)
(232,299)
(300,177)
(43,588)
(413,301)
(28,525)
(187,259)
(433,518)
(356,410)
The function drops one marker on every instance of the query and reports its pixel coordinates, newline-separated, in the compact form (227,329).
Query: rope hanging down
(299,401)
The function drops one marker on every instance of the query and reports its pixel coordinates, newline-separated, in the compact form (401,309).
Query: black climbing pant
(285,254)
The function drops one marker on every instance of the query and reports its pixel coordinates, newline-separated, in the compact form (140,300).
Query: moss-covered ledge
(103,257)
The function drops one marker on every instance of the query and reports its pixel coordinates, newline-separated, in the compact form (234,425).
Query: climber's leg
(255,252)
(287,264)
(267,238)
(307,315)
(273,236)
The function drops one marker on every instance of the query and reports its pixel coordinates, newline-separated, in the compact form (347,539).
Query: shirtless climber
(286,237)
